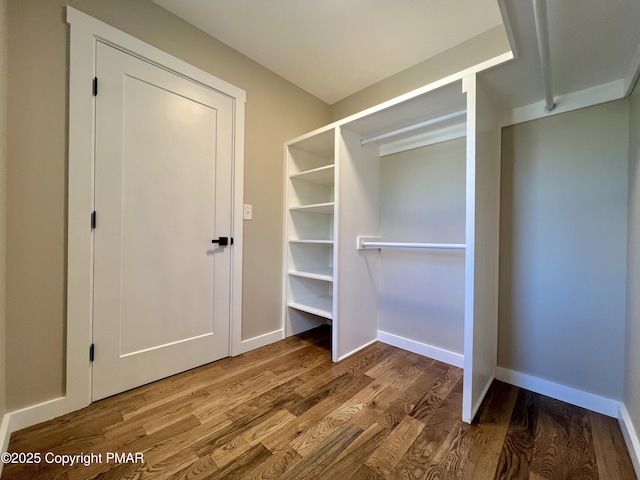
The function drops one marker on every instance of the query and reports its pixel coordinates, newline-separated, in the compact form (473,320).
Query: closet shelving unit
(310,227)
(333,240)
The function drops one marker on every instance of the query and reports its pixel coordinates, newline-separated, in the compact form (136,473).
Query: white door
(163,190)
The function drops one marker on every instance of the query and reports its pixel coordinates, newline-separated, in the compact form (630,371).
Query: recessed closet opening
(394,175)
(392,230)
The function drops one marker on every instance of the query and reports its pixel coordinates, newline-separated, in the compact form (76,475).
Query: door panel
(162,193)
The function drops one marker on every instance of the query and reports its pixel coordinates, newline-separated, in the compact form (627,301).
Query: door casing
(85,32)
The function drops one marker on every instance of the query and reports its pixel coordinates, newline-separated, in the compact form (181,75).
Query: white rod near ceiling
(542,32)
(411,128)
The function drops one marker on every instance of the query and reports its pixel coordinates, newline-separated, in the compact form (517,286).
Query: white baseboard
(630,437)
(26,417)
(590,401)
(5,436)
(424,349)
(257,342)
(362,347)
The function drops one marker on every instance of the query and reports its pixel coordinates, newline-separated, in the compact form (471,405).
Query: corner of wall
(631,437)
(630,409)
(4,419)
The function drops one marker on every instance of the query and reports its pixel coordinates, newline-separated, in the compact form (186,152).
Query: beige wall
(632,371)
(36,206)
(490,44)
(563,248)
(3,198)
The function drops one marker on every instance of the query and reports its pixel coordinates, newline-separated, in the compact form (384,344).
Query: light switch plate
(248,212)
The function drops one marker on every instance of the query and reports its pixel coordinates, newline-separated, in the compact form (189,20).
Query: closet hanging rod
(542,33)
(411,128)
(364,243)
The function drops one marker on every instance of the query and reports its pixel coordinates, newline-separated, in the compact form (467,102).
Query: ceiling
(592,43)
(334,48)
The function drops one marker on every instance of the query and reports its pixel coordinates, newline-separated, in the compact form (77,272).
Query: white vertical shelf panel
(482,232)
(358,181)
(309,207)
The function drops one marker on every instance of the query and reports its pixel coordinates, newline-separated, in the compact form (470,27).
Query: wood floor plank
(276,397)
(322,456)
(357,453)
(374,410)
(449,458)
(489,433)
(132,445)
(244,464)
(283,438)
(275,466)
(387,456)
(407,375)
(355,365)
(273,424)
(343,413)
(365,472)
(160,471)
(200,469)
(612,457)
(230,451)
(286,411)
(384,365)
(430,445)
(415,398)
(186,439)
(439,390)
(320,393)
(563,431)
(517,451)
(289,433)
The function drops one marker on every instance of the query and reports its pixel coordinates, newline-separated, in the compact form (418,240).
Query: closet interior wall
(423,199)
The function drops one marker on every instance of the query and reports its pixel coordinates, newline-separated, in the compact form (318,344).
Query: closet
(391,229)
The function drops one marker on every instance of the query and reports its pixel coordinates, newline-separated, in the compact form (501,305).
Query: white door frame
(85,32)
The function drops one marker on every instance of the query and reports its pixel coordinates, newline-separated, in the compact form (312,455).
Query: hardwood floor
(286,412)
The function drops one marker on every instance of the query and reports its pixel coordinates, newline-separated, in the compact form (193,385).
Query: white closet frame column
(357,271)
(482,240)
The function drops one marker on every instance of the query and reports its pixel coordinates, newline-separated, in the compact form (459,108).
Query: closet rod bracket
(360,242)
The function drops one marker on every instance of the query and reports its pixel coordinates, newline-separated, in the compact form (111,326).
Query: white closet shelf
(321,306)
(324,208)
(325,274)
(312,241)
(321,176)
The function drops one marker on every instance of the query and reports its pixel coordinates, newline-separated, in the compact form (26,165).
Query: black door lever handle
(223,241)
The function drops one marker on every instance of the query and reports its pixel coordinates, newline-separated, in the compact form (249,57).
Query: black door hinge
(95,86)
(91,352)
(93,220)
